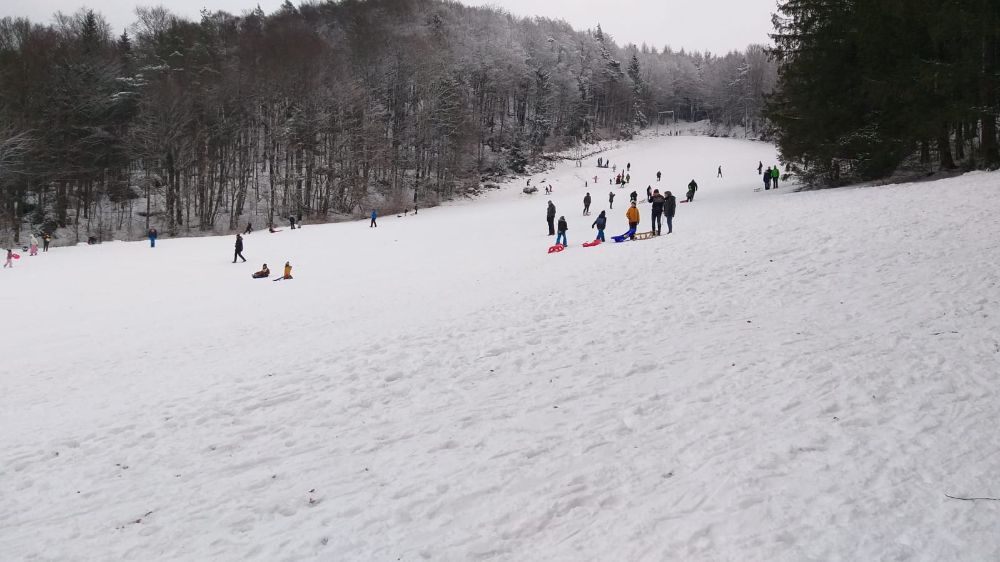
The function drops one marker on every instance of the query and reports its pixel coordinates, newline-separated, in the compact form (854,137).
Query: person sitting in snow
(288,271)
(264,273)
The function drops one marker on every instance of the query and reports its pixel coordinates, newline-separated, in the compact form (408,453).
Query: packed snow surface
(788,376)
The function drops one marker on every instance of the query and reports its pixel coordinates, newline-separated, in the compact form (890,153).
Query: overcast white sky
(715,25)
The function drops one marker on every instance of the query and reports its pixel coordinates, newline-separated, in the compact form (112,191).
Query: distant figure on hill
(264,273)
(239,249)
(46,239)
(669,209)
(550,218)
(767,179)
(586,204)
(720,172)
(600,224)
(611,199)
(291,222)
(692,188)
(633,197)
(649,193)
(628,167)
(775,174)
(659,175)
(657,200)
(33,250)
(632,215)
(628,178)
(152,234)
(248,229)
(562,232)
(374,216)
(760,166)
(10,259)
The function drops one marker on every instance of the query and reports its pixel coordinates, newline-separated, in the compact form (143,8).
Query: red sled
(556,249)
(591,244)
(16,256)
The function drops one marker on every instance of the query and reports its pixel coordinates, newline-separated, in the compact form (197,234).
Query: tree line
(323,111)
(868,88)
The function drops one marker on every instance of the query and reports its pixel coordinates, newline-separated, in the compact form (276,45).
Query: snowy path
(787,377)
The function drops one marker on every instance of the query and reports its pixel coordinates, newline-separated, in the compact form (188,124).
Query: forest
(323,111)
(870,89)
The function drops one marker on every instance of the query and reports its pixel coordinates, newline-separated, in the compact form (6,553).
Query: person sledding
(692,188)
(264,273)
(600,224)
(288,272)
(632,215)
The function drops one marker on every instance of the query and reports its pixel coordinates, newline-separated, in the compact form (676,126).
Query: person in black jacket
(600,224)
(550,216)
(239,249)
(562,232)
(669,208)
(586,204)
(611,199)
(692,187)
(657,200)
(649,193)
(634,197)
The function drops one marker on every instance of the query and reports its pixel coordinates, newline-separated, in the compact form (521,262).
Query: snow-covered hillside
(788,376)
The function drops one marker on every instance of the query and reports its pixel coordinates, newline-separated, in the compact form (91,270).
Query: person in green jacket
(775,174)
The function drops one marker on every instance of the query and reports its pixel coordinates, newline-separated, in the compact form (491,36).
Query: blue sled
(625,236)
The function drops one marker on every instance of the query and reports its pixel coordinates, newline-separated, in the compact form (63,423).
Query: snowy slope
(789,376)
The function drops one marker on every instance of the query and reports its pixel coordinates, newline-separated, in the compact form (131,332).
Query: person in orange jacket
(632,214)
(288,271)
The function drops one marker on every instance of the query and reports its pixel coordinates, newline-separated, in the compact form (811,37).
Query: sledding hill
(788,376)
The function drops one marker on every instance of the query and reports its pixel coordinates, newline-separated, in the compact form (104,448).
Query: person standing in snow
(767,179)
(669,209)
(46,239)
(775,174)
(720,172)
(374,216)
(239,249)
(33,250)
(291,222)
(633,197)
(628,167)
(649,194)
(611,199)
(152,234)
(586,204)
(249,228)
(628,178)
(562,232)
(658,176)
(10,259)
(657,200)
(600,224)
(632,215)
(760,166)
(692,188)
(550,218)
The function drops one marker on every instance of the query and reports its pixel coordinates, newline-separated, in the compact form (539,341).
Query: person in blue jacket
(599,224)
(561,232)
(152,237)
(374,216)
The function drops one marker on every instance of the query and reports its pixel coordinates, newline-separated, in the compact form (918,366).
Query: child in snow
(288,271)
(34,246)
(562,232)
(152,234)
(692,187)
(632,215)
(633,197)
(599,224)
(264,273)
(45,242)
(374,216)
(10,259)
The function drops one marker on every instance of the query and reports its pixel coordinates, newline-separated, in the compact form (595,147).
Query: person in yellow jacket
(632,214)
(288,271)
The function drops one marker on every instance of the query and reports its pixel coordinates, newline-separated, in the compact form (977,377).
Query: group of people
(264,272)
(662,205)
(771,175)
(32,249)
